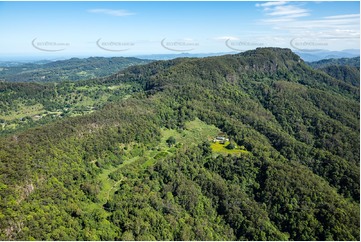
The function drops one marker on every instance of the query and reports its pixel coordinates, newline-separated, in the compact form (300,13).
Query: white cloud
(347,24)
(224,38)
(289,11)
(283,10)
(112,12)
(270,4)
(335,31)
(345,16)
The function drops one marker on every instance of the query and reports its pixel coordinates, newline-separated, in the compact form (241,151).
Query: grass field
(221,149)
(114,87)
(23,111)
(108,185)
(195,132)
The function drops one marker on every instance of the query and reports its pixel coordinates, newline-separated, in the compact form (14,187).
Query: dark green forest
(143,164)
(352,62)
(345,69)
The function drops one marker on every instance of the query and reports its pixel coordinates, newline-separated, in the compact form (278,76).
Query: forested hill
(261,65)
(346,69)
(354,62)
(73,69)
(147,168)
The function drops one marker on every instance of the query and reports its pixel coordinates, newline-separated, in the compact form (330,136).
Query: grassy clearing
(221,149)
(108,188)
(82,73)
(87,88)
(114,87)
(108,185)
(24,111)
(195,132)
(154,156)
(86,102)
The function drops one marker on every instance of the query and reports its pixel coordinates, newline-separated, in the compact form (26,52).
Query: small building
(220,139)
(37,117)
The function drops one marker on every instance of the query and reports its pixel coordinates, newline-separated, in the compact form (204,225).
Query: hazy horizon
(347,53)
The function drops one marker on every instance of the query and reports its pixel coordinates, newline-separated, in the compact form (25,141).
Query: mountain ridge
(73,69)
(249,63)
(295,176)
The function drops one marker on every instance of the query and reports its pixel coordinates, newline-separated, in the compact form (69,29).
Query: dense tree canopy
(345,69)
(112,175)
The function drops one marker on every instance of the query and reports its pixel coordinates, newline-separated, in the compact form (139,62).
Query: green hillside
(143,166)
(345,69)
(25,105)
(354,62)
(73,69)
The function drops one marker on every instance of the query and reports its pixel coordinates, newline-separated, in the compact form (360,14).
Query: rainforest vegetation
(131,156)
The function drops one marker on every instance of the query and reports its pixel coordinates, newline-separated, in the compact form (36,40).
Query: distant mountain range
(317,55)
(73,69)
(309,56)
(312,55)
(181,55)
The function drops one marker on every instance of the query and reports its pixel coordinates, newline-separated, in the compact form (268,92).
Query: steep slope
(345,69)
(347,74)
(110,175)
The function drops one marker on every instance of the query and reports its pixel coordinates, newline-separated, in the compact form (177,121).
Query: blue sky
(134,28)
